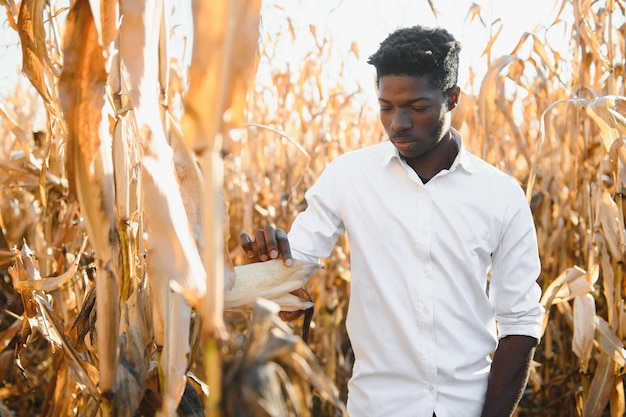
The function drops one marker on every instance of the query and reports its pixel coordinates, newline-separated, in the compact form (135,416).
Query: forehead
(406,87)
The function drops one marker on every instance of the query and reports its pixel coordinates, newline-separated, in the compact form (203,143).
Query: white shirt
(421,323)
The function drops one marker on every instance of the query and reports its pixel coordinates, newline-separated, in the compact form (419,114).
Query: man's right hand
(268,243)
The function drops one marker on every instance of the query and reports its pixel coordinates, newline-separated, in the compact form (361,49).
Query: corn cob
(271,280)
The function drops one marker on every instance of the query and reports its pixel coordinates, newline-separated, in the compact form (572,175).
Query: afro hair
(419,51)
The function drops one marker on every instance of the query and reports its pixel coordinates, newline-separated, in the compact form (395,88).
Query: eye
(385,109)
(420,109)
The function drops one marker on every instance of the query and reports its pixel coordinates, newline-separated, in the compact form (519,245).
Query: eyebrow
(406,103)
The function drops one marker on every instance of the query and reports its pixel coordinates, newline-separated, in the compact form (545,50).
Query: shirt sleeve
(514,292)
(314,232)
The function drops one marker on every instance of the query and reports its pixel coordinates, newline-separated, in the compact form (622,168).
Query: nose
(400,121)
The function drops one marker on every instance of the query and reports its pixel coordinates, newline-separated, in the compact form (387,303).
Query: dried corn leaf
(541,51)
(610,220)
(191,186)
(520,43)
(26,268)
(121,154)
(82,90)
(175,358)
(609,343)
(621,329)
(588,35)
(243,59)
(545,117)
(105,13)
(609,113)
(34,52)
(46,320)
(139,54)
(570,283)
(617,155)
(52,283)
(135,336)
(601,386)
(493,38)
(172,249)
(474,12)
(107,327)
(617,401)
(304,158)
(608,281)
(276,366)
(129,386)
(261,393)
(189,179)
(7,335)
(82,95)
(226,36)
(584,329)
(223,63)
(160,300)
(488,93)
(59,389)
(305,363)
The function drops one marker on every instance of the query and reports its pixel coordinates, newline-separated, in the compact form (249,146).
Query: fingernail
(264,257)
(274,253)
(288,262)
(250,254)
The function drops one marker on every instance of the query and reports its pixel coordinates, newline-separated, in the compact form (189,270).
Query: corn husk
(271,280)
(584,328)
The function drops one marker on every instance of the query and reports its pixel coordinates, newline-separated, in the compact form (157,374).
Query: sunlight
(367,22)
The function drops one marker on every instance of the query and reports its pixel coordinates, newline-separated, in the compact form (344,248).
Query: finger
(261,245)
(270,241)
(283,246)
(246,244)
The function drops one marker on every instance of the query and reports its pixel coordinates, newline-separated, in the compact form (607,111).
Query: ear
(452,97)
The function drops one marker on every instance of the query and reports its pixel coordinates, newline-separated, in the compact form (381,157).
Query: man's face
(415,115)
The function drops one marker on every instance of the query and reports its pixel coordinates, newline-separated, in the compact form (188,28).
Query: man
(444,256)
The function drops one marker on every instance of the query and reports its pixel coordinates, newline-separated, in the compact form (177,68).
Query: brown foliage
(554,119)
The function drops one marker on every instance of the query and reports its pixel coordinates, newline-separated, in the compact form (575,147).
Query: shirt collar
(463,159)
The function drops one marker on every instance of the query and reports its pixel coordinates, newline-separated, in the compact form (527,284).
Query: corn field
(133,155)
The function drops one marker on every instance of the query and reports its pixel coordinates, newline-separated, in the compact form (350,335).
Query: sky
(9,54)
(367,22)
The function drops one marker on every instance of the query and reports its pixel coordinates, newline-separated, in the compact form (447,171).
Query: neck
(440,158)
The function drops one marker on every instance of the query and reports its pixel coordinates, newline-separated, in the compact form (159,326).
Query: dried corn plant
(113,208)
(298,120)
(568,155)
(553,118)
(113,252)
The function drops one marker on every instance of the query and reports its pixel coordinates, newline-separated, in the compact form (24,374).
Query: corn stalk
(114,132)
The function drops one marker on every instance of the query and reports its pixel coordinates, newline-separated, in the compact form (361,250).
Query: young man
(444,256)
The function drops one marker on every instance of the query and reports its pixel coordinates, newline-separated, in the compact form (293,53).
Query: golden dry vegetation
(114,231)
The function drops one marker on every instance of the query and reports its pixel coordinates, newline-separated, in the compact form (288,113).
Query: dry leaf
(90,168)
(584,329)
(609,113)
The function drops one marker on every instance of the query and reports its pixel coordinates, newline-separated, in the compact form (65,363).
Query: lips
(400,138)
(402,143)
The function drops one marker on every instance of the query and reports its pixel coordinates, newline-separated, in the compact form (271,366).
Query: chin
(409,155)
